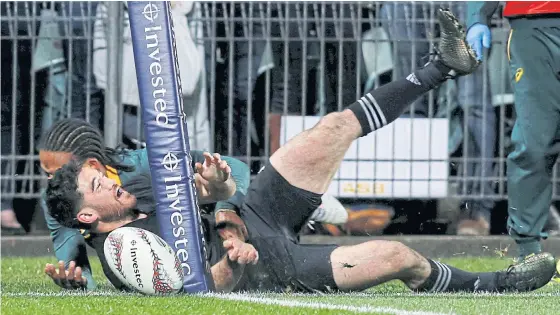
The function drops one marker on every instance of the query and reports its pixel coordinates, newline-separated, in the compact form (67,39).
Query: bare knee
(403,257)
(411,267)
(340,125)
(323,147)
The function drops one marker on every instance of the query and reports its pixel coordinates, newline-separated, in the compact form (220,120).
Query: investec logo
(151,13)
(170,161)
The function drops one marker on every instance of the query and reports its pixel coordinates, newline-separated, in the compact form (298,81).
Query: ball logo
(170,161)
(150,12)
(135,266)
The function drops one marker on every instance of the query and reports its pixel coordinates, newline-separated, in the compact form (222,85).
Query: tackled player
(283,196)
(77,139)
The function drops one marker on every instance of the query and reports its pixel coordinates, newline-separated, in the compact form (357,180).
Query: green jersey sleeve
(241,175)
(480,12)
(240,172)
(69,245)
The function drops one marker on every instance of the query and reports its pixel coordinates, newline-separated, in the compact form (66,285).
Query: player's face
(52,161)
(103,195)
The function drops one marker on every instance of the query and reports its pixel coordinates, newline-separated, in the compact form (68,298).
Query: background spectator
(239,47)
(20,87)
(190,61)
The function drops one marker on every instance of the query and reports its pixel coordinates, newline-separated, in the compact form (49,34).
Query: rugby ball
(143,261)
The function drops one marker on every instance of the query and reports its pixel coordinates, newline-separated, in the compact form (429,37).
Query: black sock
(385,104)
(444,278)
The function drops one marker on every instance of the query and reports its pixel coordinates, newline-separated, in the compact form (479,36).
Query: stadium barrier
(266,67)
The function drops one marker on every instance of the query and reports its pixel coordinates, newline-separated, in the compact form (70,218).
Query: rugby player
(279,201)
(76,138)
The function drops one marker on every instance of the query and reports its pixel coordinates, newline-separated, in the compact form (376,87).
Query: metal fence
(258,73)
(47,62)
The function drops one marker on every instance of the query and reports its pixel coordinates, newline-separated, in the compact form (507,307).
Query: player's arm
(212,184)
(213,179)
(480,12)
(70,248)
(227,272)
(241,175)
(228,195)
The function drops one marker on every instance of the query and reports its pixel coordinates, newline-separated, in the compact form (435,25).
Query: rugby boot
(534,272)
(453,49)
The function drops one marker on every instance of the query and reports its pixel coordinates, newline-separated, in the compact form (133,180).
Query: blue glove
(479,36)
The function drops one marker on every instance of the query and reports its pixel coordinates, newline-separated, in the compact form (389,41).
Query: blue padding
(167,139)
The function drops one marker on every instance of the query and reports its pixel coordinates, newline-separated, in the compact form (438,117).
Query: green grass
(26,290)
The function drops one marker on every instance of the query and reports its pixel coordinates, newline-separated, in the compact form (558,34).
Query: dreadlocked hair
(84,141)
(62,196)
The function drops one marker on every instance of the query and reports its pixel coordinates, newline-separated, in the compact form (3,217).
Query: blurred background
(259,73)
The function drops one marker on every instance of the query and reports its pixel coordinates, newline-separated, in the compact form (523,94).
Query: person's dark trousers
(408,25)
(297,76)
(19,87)
(86,98)
(293,81)
(534,54)
(235,76)
(341,56)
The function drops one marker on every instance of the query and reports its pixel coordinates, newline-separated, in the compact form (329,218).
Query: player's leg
(310,160)
(284,195)
(534,68)
(368,264)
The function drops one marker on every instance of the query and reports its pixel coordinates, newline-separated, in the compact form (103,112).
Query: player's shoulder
(131,156)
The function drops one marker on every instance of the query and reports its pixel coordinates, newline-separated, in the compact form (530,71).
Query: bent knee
(341,124)
(400,254)
(529,157)
(331,121)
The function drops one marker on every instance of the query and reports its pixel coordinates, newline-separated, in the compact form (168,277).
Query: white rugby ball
(143,261)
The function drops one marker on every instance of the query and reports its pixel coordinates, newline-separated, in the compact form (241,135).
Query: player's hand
(70,279)
(479,36)
(241,252)
(214,169)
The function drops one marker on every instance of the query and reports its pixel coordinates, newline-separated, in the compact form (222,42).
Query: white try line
(432,295)
(250,298)
(317,305)
(287,296)
(283,299)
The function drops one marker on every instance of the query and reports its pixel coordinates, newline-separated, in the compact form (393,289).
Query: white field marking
(283,299)
(251,298)
(411,294)
(288,295)
(260,299)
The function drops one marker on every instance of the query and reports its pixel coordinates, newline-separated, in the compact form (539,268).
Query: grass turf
(26,290)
